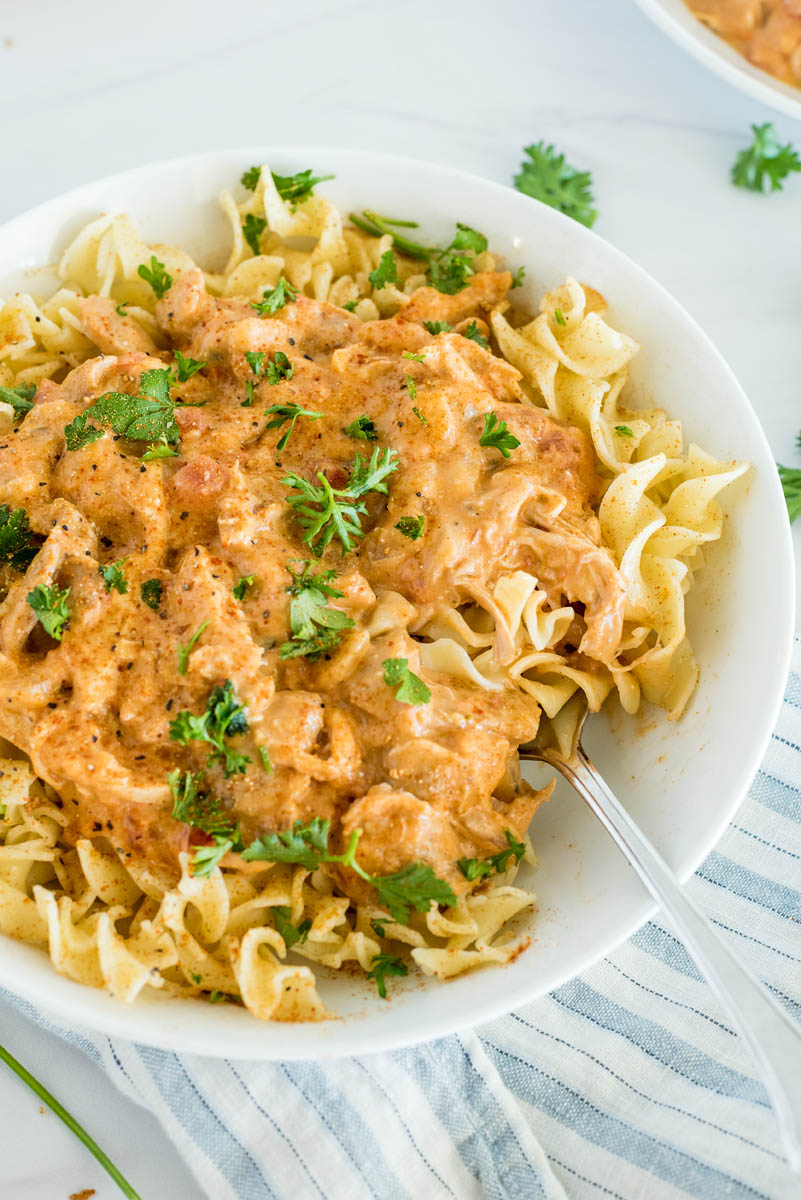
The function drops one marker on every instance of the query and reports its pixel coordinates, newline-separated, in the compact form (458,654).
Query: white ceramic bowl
(683,782)
(675,18)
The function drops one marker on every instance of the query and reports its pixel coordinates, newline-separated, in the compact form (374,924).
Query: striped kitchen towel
(627,1082)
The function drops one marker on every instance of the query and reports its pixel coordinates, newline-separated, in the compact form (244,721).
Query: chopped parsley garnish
(435,327)
(197,807)
(297,187)
(316,628)
(497,435)
(350,306)
(421,417)
(224,718)
(411,689)
(449,271)
(121,309)
(386,271)
(517,278)
(377,925)
(362,429)
(414,886)
(411,386)
(50,606)
(326,512)
(264,755)
(242,586)
(624,431)
(791,486)
(559,317)
(765,163)
(475,335)
(20,398)
(383,965)
(411,527)
(18,544)
(150,590)
(255,360)
(113,577)
(275,298)
(159,449)
(278,367)
(292,934)
(478,868)
(156,275)
(250,179)
(186,367)
(282,413)
(413,357)
(252,229)
(147,417)
(546,176)
(185,651)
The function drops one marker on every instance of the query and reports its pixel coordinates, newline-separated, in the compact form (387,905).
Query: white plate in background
(682,781)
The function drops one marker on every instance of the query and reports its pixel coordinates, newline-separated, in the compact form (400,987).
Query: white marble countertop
(88,88)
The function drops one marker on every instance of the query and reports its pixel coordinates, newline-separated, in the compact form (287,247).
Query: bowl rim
(75,1006)
(717,55)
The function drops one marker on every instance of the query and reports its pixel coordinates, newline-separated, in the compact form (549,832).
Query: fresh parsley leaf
(113,576)
(197,807)
(411,689)
(255,360)
(350,306)
(159,449)
(791,486)
(449,270)
(18,544)
(474,333)
(411,386)
(50,606)
(517,278)
(381,966)
(121,309)
(765,163)
(316,628)
(196,978)
(325,512)
(478,868)
(264,755)
(559,317)
(421,358)
(150,590)
(79,434)
(284,413)
(362,428)
(279,367)
(411,527)
(292,934)
(242,585)
(186,367)
(250,179)
(435,327)
(223,718)
(377,925)
(297,187)
(623,431)
(156,275)
(252,229)
(414,886)
(204,860)
(304,844)
(148,417)
(420,416)
(275,298)
(544,175)
(497,435)
(185,651)
(467,240)
(386,271)
(20,398)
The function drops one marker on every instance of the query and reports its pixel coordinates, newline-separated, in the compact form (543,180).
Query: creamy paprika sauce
(766,32)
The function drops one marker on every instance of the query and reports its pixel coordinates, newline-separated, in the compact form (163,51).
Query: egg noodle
(123,922)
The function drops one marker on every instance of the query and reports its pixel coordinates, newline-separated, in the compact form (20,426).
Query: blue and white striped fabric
(627,1082)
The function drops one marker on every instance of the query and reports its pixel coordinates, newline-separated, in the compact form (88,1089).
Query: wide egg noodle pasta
(123,925)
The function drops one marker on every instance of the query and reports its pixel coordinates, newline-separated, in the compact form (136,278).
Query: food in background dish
(295,555)
(766,32)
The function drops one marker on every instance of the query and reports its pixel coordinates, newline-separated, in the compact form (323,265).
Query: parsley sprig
(386,271)
(185,367)
(243,586)
(147,417)
(448,270)
(765,164)
(362,429)
(150,590)
(51,607)
(18,544)
(113,576)
(292,934)
(252,229)
(156,275)
(224,717)
(205,812)
(410,687)
(546,176)
(20,398)
(288,412)
(289,187)
(316,628)
(411,527)
(475,335)
(791,486)
(275,298)
(496,434)
(479,868)
(381,966)
(325,512)
(414,886)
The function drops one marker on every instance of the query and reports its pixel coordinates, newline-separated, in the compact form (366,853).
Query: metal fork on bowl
(774,1040)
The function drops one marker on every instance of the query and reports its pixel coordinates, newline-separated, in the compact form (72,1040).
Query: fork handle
(774,1039)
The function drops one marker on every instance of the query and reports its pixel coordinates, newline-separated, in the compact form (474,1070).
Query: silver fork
(774,1040)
